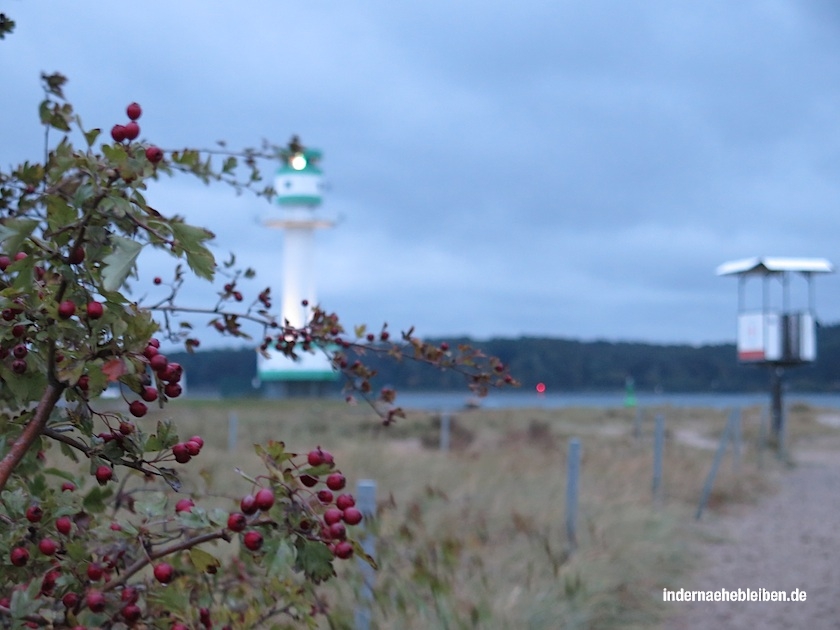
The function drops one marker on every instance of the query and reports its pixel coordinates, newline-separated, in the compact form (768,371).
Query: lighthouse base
(310,376)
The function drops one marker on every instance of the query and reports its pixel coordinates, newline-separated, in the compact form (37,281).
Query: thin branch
(181,546)
(31,431)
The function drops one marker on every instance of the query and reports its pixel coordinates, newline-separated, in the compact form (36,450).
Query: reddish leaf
(113,369)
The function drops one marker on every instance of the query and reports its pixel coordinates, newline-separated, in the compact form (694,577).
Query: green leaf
(94,501)
(203,561)
(171,478)
(13,233)
(90,136)
(191,243)
(120,262)
(314,559)
(151,504)
(59,213)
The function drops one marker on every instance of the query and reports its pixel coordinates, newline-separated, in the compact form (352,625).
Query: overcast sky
(570,169)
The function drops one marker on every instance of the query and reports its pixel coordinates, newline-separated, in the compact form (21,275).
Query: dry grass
(476,537)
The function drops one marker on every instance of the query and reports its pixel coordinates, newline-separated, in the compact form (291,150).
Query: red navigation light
(540,388)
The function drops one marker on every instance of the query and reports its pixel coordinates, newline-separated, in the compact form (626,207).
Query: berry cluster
(340,511)
(167,373)
(130,131)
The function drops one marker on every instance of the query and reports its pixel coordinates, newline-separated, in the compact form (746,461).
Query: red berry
(154,154)
(154,343)
(34,513)
(70,599)
(337,531)
(157,280)
(5,261)
(131,613)
(76,256)
(181,453)
(332,515)
(163,572)
(132,130)
(264,499)
(104,474)
(192,448)
(336,481)
(20,351)
(248,504)
(48,583)
(95,571)
(150,351)
(137,408)
(184,505)
(343,550)
(149,394)
(47,546)
(19,556)
(66,309)
(172,373)
(118,133)
(95,601)
(352,516)
(253,540)
(237,522)
(325,496)
(68,487)
(134,111)
(94,310)
(172,390)
(18,330)
(129,595)
(84,382)
(315,458)
(158,362)
(198,440)
(18,366)
(64,525)
(345,501)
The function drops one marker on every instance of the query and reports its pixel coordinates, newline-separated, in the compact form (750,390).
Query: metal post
(762,436)
(233,431)
(445,426)
(366,504)
(735,419)
(658,447)
(710,480)
(637,424)
(777,427)
(572,479)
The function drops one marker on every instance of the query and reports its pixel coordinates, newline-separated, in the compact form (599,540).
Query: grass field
(476,537)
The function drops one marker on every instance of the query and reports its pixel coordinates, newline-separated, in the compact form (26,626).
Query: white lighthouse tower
(298,186)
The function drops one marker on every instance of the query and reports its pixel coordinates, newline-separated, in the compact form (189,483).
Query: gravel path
(789,540)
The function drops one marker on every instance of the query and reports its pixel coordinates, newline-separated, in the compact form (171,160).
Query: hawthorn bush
(94,532)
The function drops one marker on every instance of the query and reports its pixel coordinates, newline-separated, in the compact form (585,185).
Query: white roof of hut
(764,265)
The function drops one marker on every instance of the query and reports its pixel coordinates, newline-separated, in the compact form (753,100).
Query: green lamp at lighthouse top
(298,181)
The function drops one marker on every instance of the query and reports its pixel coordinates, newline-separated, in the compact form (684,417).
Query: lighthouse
(298,186)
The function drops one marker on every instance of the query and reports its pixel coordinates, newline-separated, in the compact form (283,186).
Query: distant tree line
(561,364)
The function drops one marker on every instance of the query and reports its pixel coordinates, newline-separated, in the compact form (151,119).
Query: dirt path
(789,540)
